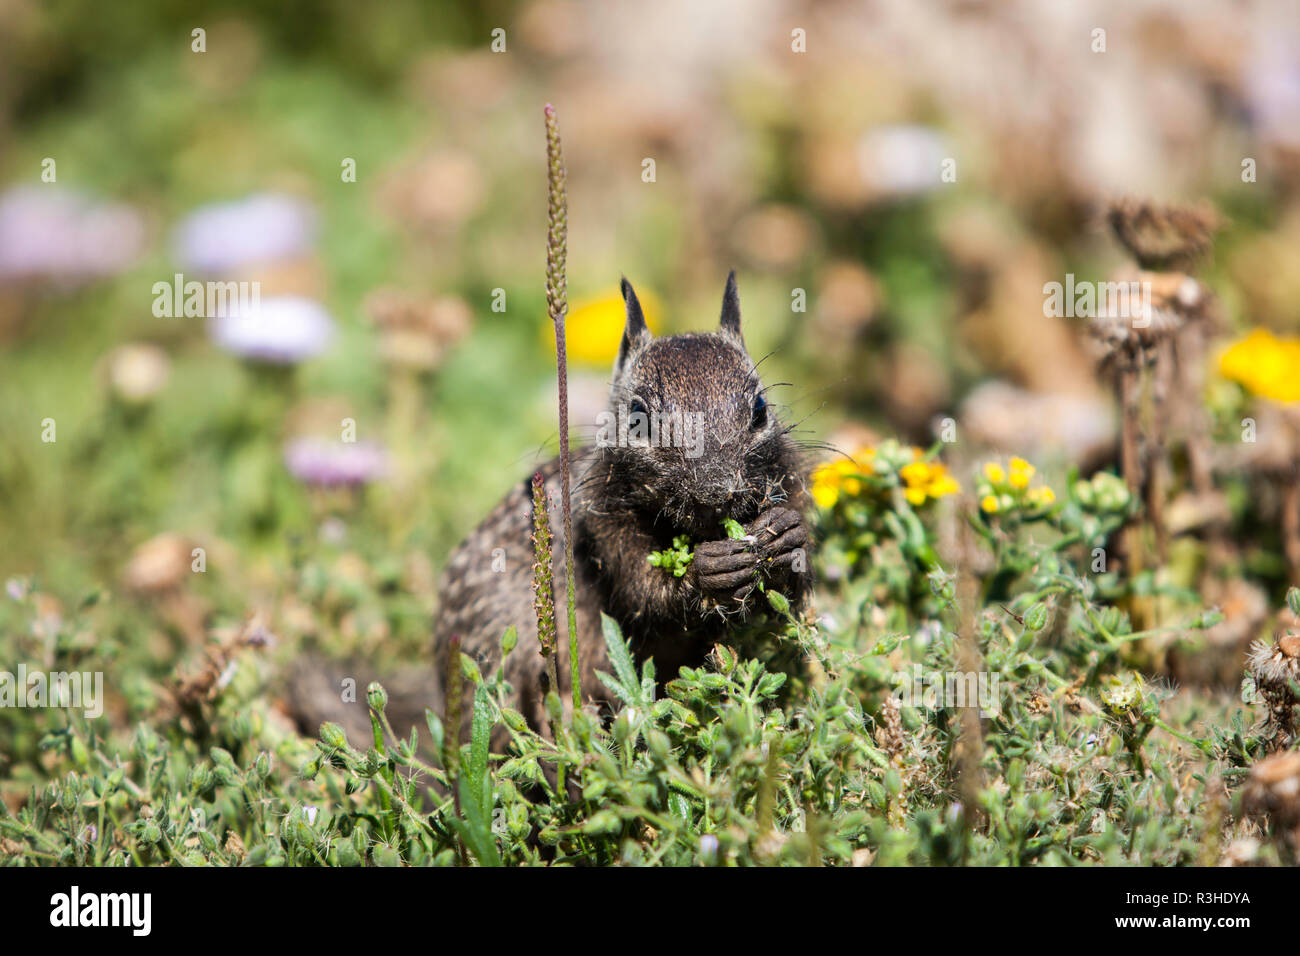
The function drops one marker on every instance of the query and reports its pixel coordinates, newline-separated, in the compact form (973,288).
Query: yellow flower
(1265,365)
(834,478)
(1043,495)
(994,473)
(1021,472)
(916,475)
(594,327)
(825,495)
(927,479)
(826,485)
(944,484)
(989,503)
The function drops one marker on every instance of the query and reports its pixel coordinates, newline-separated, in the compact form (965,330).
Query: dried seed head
(1275,668)
(1164,237)
(1273,665)
(1272,790)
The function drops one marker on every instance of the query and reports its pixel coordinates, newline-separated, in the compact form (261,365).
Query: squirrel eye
(760,413)
(638,407)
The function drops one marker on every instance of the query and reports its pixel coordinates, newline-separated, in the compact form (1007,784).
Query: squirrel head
(691,436)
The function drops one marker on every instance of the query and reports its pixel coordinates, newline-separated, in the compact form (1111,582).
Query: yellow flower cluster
(840,477)
(1265,365)
(1005,489)
(926,480)
(922,480)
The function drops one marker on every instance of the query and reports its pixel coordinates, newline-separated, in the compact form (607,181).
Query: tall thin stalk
(544,586)
(557,305)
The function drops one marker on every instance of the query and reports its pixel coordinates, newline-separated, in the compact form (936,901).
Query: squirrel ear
(635,332)
(731,307)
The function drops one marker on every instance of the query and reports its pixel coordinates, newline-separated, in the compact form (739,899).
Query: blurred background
(894,181)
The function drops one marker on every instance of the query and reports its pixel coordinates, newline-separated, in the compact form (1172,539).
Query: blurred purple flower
(323,461)
(265,227)
(47,232)
(1273,90)
(280,329)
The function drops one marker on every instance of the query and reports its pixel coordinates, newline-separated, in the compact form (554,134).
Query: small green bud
(601,822)
(200,779)
(876,794)
(333,736)
(893,782)
(1083,490)
(622,728)
(1015,773)
(660,746)
(1036,617)
(257,855)
(554,709)
(514,720)
(470,669)
(583,726)
(346,854)
(376,697)
(221,757)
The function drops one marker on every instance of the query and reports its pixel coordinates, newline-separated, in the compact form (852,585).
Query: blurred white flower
(47,232)
(262,228)
(902,160)
(136,373)
(280,329)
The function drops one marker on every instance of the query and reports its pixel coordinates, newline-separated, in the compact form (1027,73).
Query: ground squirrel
(694,441)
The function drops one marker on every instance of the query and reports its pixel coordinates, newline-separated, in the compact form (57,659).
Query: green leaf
(435,729)
(475,825)
(619,655)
